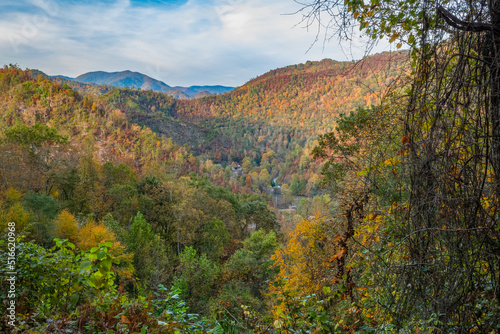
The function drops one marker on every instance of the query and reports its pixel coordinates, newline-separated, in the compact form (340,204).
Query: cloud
(179,42)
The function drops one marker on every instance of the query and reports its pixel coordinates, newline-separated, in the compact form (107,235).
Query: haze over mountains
(141,81)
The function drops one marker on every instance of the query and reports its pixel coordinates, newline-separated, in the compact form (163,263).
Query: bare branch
(455,22)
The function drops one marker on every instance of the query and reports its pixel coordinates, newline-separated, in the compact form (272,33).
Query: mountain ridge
(127,78)
(124,79)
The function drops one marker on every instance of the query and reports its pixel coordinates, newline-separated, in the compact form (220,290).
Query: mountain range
(275,111)
(124,79)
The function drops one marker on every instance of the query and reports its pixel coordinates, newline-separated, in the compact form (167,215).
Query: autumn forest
(324,197)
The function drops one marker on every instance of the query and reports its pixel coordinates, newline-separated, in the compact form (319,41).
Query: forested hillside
(161,188)
(75,169)
(325,197)
(271,122)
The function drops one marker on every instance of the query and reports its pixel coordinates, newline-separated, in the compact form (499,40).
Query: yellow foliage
(66,226)
(392,161)
(17,214)
(12,195)
(304,260)
(92,234)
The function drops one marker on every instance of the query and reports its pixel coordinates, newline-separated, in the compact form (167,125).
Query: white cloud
(196,43)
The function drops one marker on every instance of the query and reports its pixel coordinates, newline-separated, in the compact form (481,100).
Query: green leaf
(59,242)
(101,255)
(411,39)
(106,264)
(363,172)
(85,264)
(76,279)
(95,277)
(74,298)
(326,290)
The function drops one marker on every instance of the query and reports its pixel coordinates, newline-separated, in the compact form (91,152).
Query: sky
(180,42)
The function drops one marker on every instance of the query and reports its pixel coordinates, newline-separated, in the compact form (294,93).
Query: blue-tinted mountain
(193,90)
(124,79)
(141,81)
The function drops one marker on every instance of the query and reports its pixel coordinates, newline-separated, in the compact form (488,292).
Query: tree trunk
(494,83)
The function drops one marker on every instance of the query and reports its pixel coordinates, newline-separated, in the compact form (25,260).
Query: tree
(304,162)
(12,210)
(153,261)
(156,201)
(43,210)
(248,182)
(92,234)
(196,279)
(211,239)
(30,156)
(35,136)
(452,154)
(256,216)
(246,165)
(249,265)
(304,262)
(361,171)
(264,178)
(66,226)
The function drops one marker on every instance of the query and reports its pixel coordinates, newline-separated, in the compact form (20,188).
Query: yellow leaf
(393,37)
(123,319)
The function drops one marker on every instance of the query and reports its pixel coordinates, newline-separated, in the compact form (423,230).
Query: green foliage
(60,278)
(258,216)
(212,239)
(174,313)
(43,209)
(152,259)
(250,264)
(302,314)
(196,279)
(34,136)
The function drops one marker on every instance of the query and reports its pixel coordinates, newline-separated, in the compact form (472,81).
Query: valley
(159,182)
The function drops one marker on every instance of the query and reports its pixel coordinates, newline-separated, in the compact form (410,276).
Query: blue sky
(181,42)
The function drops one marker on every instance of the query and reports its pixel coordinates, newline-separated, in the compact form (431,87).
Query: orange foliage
(92,234)
(304,261)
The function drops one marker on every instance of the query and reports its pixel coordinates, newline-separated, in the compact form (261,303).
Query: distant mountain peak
(141,81)
(124,79)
